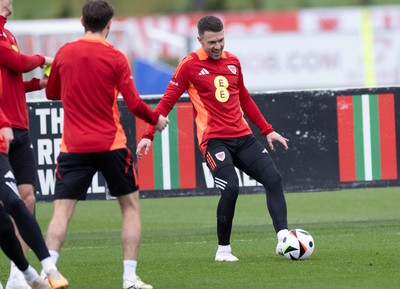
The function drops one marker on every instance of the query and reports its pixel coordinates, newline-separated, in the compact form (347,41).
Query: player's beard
(216,54)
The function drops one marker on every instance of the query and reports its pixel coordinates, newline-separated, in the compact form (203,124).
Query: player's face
(213,43)
(6,8)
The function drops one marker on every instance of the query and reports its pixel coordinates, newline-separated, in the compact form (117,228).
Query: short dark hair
(209,23)
(96,15)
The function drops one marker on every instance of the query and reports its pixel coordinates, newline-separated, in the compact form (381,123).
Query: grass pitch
(356,233)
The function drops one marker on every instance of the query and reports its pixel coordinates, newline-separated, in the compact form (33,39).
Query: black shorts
(75,171)
(22,158)
(245,153)
(8,187)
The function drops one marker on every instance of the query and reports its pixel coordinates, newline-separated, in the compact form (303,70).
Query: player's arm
(18,62)
(126,86)
(254,114)
(178,84)
(252,111)
(53,86)
(163,107)
(6,133)
(32,85)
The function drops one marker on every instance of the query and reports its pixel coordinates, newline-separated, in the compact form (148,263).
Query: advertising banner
(338,139)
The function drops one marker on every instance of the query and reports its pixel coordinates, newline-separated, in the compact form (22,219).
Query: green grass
(356,232)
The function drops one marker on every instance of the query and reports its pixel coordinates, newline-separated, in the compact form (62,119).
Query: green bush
(71,8)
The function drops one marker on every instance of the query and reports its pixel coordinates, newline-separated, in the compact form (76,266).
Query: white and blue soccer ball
(298,244)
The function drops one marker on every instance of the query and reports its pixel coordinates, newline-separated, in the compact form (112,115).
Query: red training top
(218,94)
(12,86)
(3,123)
(87,75)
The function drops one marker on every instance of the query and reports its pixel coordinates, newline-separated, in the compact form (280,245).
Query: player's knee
(28,197)
(228,183)
(232,188)
(271,177)
(30,202)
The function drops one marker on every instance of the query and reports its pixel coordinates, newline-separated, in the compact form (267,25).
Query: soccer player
(11,204)
(214,81)
(13,102)
(87,75)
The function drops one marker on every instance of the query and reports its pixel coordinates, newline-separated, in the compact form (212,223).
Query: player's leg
(22,160)
(58,226)
(122,182)
(11,204)
(23,163)
(219,161)
(254,159)
(11,246)
(73,177)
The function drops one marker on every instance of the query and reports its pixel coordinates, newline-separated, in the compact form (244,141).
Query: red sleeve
(53,87)
(32,85)
(251,110)
(130,94)
(18,62)
(176,87)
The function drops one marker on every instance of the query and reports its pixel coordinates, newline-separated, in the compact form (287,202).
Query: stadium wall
(345,138)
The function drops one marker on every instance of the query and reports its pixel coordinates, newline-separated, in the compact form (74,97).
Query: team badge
(220,156)
(232,68)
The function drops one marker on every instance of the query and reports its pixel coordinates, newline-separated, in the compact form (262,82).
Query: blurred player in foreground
(214,81)
(87,75)
(11,204)
(13,102)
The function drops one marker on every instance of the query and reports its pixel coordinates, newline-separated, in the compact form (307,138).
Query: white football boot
(137,284)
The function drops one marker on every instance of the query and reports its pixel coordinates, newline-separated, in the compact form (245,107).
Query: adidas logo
(204,72)
(9,175)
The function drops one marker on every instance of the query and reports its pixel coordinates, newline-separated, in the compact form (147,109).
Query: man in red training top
(214,81)
(87,75)
(13,102)
(12,205)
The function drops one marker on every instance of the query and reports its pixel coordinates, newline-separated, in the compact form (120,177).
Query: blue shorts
(75,171)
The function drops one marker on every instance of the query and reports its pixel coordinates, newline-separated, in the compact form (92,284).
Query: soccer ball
(298,244)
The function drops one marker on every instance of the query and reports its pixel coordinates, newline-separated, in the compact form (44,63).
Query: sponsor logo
(220,156)
(264,151)
(220,183)
(204,72)
(10,181)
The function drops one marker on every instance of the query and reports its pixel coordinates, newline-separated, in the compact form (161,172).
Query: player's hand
(43,81)
(144,143)
(8,136)
(48,60)
(162,123)
(274,136)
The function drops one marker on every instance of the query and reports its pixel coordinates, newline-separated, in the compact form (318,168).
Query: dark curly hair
(96,14)
(209,23)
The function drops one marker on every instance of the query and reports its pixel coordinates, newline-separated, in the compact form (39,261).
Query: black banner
(309,119)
